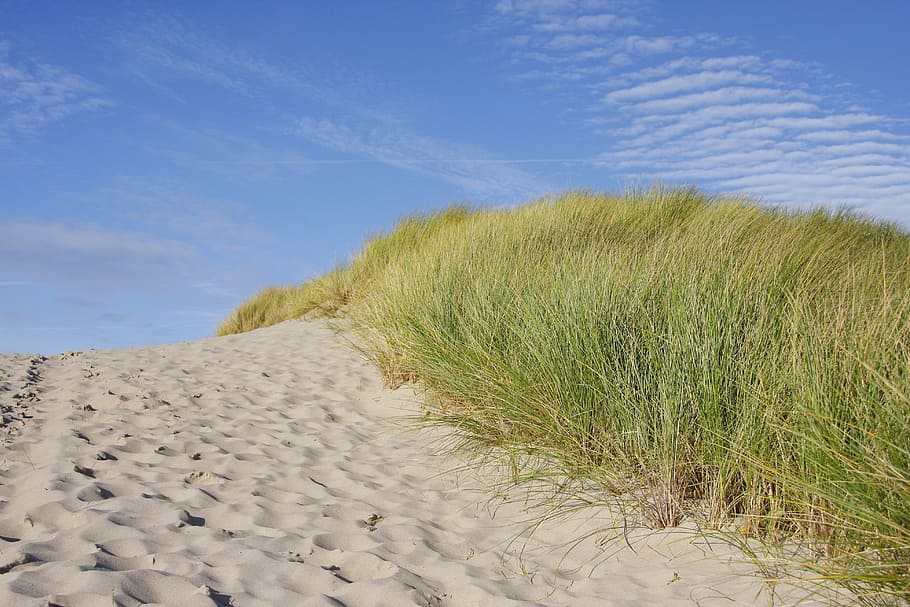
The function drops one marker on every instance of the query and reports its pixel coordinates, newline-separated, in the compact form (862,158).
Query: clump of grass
(850,483)
(703,357)
(326,295)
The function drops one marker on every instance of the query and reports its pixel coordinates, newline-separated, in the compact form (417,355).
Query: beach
(273,468)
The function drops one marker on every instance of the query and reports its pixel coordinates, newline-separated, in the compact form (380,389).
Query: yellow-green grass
(703,357)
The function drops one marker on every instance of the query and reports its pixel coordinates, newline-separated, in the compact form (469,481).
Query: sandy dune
(267,469)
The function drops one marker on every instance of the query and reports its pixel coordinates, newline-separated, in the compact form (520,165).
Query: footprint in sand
(185,518)
(10,530)
(345,542)
(55,516)
(94,493)
(365,567)
(84,471)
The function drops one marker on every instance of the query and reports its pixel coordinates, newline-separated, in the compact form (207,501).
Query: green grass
(704,358)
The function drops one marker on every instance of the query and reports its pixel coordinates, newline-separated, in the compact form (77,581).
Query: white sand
(264,469)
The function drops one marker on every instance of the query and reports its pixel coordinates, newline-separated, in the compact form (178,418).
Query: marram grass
(709,358)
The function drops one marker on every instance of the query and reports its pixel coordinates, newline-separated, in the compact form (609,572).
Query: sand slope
(264,469)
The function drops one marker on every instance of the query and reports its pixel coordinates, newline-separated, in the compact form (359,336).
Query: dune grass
(705,358)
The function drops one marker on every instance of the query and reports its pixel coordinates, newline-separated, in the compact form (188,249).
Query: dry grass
(702,356)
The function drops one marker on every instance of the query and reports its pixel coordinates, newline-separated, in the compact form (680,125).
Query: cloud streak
(467,168)
(33,95)
(92,257)
(167,48)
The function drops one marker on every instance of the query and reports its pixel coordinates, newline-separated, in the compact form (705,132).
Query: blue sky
(160,162)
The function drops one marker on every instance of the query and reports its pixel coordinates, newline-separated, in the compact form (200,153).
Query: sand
(270,468)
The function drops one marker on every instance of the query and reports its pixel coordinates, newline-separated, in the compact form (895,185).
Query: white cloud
(33,95)
(698,81)
(655,129)
(646,45)
(833,121)
(526,8)
(856,149)
(571,41)
(585,23)
(721,96)
(603,21)
(844,135)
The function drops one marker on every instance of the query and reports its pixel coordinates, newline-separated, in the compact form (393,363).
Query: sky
(161,162)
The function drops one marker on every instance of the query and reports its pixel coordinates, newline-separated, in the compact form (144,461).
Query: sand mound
(266,469)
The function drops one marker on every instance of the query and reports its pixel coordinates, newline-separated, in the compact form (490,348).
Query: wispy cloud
(33,95)
(164,48)
(231,250)
(469,169)
(88,256)
(164,44)
(697,109)
(161,50)
(567,15)
(722,96)
(219,225)
(233,156)
(684,84)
